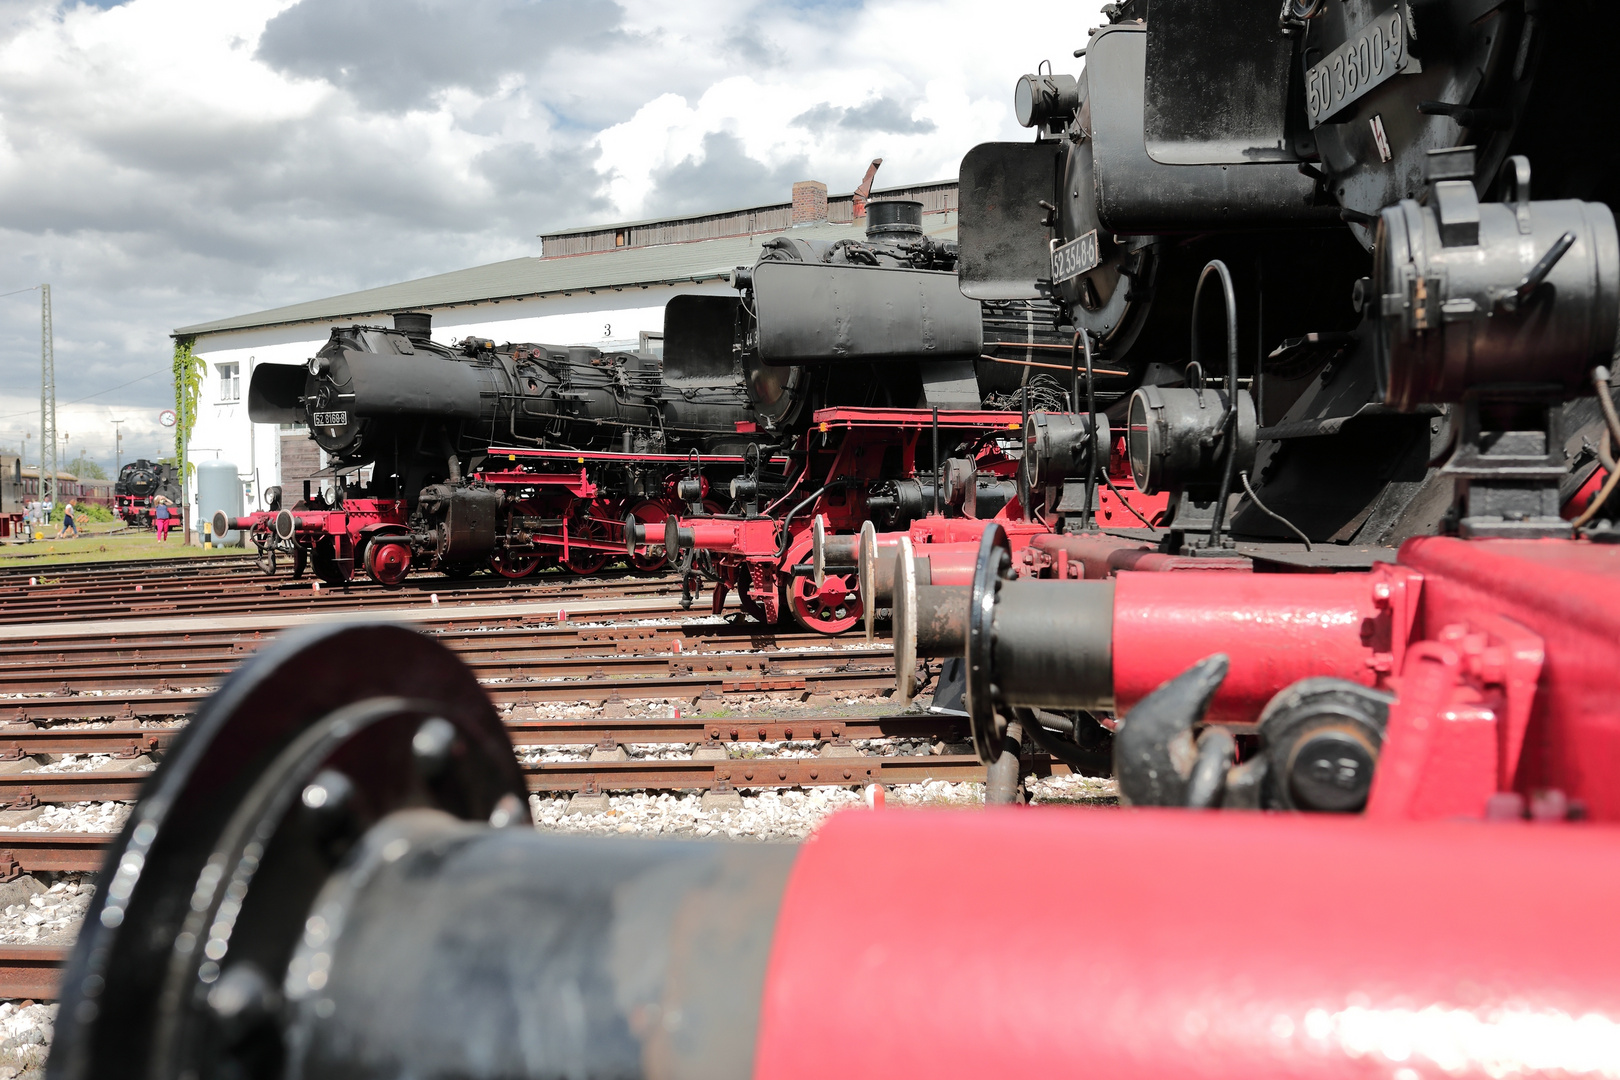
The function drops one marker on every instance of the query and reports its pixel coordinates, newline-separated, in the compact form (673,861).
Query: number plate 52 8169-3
(1370,56)
(331,419)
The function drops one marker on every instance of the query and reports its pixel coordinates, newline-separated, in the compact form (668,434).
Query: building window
(620,238)
(230,382)
(651,344)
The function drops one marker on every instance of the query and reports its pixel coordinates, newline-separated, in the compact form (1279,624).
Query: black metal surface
(1003,231)
(1053,644)
(1321,738)
(533,955)
(1216,84)
(810,313)
(1155,753)
(1137,194)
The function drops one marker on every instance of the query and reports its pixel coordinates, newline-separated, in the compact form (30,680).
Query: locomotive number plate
(1370,56)
(332,419)
(1075,258)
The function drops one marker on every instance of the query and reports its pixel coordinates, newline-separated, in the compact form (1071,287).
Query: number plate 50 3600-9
(1369,57)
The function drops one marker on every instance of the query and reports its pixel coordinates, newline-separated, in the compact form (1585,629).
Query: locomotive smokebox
(894,219)
(416,325)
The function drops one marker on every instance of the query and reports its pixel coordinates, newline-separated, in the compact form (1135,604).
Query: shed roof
(531,278)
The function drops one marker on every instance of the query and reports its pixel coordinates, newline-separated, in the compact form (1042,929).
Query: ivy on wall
(188,380)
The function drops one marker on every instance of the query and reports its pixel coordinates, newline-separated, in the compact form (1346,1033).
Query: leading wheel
(832,607)
(387,563)
(586,560)
(333,559)
(513,566)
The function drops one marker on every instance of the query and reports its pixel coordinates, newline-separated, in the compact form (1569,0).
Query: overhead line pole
(47,404)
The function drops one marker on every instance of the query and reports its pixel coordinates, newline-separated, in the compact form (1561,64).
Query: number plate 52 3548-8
(1369,57)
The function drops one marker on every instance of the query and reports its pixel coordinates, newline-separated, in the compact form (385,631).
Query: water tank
(218,488)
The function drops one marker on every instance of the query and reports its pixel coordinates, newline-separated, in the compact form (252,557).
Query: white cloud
(162,164)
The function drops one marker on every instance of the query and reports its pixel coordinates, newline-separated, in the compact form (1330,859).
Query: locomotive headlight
(1470,294)
(1045,100)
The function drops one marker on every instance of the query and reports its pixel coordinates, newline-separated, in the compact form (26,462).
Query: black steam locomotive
(138,485)
(1227,198)
(459,457)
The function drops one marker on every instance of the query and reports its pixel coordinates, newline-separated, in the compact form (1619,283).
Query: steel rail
(128,741)
(39,604)
(105,667)
(590,688)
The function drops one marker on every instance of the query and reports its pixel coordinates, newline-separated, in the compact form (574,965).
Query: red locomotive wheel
(387,564)
(653,557)
(514,566)
(831,609)
(585,560)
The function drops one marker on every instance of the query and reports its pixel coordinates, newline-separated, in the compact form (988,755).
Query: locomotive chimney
(809,202)
(893,219)
(416,325)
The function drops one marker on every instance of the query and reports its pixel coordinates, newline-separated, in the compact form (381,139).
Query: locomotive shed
(628,713)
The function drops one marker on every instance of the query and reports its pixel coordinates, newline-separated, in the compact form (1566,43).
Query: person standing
(160,517)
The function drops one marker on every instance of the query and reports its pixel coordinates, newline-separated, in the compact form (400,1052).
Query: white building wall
(610,319)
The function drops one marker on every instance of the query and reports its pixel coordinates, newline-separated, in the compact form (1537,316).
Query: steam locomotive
(1409,340)
(138,484)
(505,455)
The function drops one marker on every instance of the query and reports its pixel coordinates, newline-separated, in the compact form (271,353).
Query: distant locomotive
(140,483)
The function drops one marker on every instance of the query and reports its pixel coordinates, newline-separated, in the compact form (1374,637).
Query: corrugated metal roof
(877,193)
(530,278)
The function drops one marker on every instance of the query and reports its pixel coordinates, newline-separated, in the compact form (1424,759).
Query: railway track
(187,627)
(249,592)
(23,790)
(158,659)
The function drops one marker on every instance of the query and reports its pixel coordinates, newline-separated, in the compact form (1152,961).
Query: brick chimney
(809,202)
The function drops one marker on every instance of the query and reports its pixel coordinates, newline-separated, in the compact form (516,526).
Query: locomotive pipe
(381,891)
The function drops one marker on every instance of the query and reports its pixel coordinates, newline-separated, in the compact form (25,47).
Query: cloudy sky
(165,162)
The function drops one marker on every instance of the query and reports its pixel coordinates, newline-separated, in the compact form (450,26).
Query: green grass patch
(103,542)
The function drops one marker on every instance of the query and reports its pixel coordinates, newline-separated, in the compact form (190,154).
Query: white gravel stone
(103,817)
(25,1039)
(36,915)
